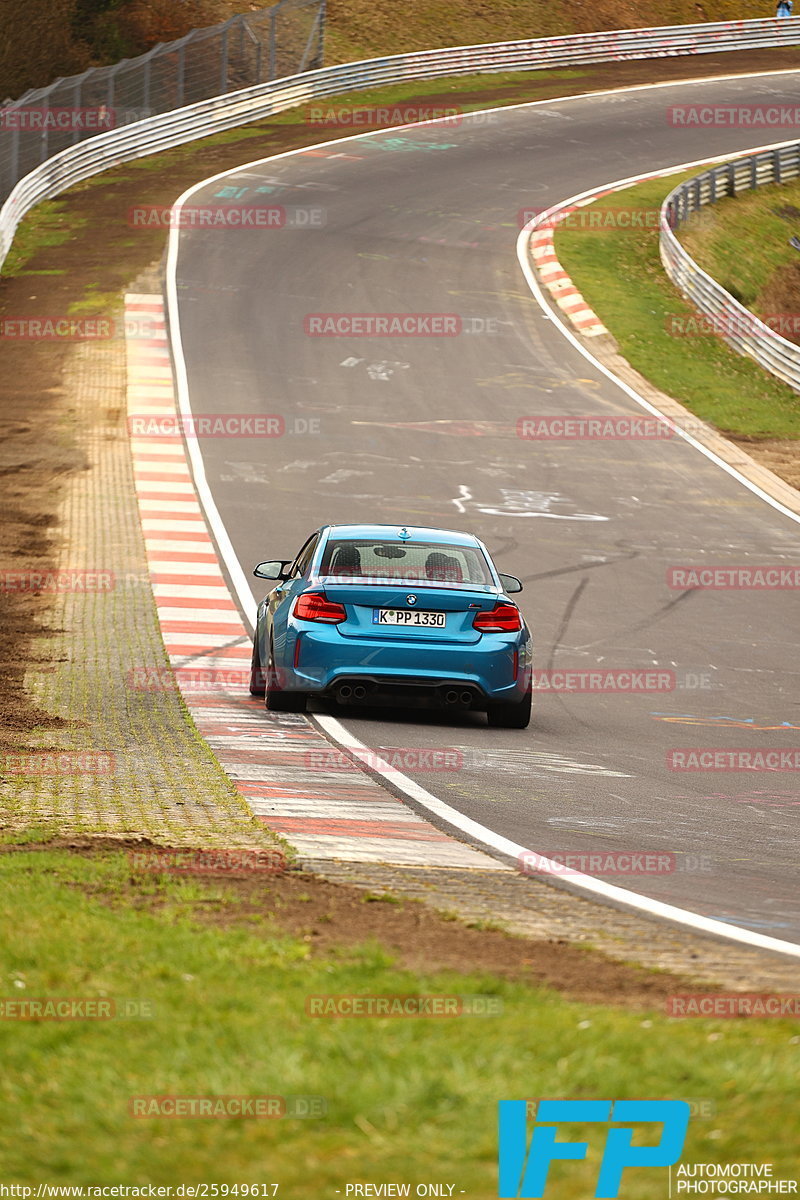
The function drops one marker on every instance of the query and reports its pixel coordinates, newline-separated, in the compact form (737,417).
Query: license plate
(402,616)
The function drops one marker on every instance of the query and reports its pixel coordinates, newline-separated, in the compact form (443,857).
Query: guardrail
(183,125)
(726,316)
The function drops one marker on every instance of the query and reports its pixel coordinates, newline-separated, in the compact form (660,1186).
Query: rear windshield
(418,562)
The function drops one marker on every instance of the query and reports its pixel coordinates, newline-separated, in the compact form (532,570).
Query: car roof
(419,533)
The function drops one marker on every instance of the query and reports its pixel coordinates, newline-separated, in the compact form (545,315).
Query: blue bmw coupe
(370,614)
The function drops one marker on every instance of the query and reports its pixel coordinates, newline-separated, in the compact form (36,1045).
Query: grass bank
(616,266)
(744,243)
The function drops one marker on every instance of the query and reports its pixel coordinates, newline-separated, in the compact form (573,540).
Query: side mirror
(275,569)
(511,583)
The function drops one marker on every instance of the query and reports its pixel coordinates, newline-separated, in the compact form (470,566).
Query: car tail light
(503,618)
(315,606)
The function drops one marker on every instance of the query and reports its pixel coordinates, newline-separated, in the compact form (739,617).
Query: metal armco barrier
(724,315)
(199,120)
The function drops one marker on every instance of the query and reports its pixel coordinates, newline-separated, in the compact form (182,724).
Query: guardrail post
(776,166)
(712,186)
(731,179)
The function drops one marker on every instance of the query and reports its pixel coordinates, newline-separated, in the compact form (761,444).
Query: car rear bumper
(494,669)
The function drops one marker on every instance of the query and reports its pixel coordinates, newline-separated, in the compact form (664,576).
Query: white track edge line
(244,592)
(503,845)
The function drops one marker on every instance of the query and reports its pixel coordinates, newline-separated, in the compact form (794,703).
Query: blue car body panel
(315,658)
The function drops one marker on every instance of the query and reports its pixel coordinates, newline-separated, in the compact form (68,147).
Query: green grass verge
(619,273)
(405,1097)
(741,242)
(46,226)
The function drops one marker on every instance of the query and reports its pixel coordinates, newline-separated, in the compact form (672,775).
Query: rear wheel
(258,683)
(510,716)
(275,698)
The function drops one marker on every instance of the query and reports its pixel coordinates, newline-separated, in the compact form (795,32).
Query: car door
(281,597)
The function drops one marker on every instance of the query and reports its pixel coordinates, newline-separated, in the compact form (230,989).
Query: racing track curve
(423,430)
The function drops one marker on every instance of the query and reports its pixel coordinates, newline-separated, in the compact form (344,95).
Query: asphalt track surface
(422,430)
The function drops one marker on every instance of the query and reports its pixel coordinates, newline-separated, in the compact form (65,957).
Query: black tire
(258,684)
(277,700)
(510,716)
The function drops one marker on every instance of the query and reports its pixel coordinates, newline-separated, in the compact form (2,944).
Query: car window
(301,563)
(418,562)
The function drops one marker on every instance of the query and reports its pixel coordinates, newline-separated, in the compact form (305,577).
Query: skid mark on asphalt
(452,426)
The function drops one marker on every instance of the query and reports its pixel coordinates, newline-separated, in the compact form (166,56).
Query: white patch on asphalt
(516,503)
(340,476)
(534,762)
(385,370)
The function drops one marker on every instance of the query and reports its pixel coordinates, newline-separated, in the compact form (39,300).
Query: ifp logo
(523,1170)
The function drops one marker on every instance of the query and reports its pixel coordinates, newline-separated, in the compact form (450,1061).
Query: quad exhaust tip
(348,691)
(357,693)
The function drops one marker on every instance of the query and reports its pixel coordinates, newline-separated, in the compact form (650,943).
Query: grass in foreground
(408,1099)
(619,273)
